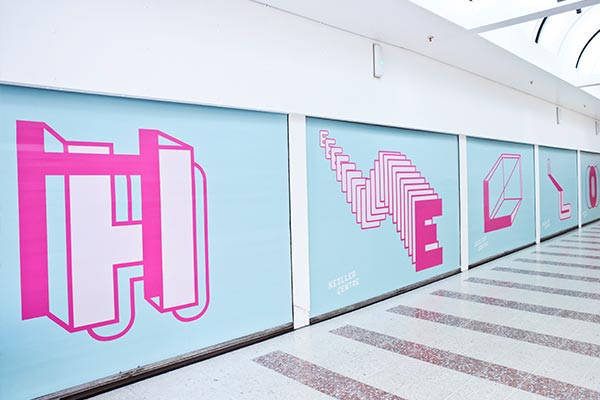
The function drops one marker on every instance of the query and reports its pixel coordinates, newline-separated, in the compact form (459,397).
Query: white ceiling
(407,25)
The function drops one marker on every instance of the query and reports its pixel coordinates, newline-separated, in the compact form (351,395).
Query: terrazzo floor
(526,326)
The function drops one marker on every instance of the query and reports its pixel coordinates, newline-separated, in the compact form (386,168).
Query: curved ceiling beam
(585,47)
(539,32)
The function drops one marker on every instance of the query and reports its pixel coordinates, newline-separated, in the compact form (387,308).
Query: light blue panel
(482,156)
(136,200)
(349,264)
(590,195)
(57,258)
(121,199)
(558,173)
(244,155)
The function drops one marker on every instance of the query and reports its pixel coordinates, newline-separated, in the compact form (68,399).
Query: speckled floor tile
(321,379)
(548,274)
(534,262)
(564,254)
(579,248)
(581,241)
(587,235)
(556,390)
(433,316)
(514,305)
(490,333)
(575,346)
(532,297)
(536,288)
(522,380)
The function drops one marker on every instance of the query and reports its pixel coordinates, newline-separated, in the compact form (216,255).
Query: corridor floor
(526,326)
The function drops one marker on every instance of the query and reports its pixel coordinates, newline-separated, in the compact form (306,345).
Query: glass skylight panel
(590,58)
(553,35)
(555,29)
(581,32)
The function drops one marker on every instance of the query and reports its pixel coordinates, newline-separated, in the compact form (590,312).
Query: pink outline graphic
(493,217)
(564,209)
(164,242)
(393,187)
(592,176)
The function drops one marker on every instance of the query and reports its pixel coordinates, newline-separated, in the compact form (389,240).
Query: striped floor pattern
(523,380)
(526,326)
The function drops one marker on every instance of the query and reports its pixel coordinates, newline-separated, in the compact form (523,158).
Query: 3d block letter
(592,176)
(502,193)
(429,252)
(77,245)
(393,188)
(564,209)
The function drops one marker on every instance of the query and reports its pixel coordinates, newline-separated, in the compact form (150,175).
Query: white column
(579,202)
(299,219)
(536,169)
(464,203)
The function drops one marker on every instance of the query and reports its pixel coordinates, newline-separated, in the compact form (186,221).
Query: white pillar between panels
(464,203)
(536,169)
(299,219)
(580,210)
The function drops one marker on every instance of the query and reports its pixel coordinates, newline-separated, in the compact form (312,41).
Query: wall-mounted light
(377,61)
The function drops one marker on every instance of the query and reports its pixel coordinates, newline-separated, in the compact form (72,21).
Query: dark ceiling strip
(585,47)
(539,32)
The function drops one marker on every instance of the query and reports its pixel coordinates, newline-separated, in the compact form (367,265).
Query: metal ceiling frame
(536,15)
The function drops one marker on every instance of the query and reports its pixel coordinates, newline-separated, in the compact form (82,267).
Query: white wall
(240,54)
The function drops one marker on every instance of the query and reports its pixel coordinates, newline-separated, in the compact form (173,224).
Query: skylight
(561,37)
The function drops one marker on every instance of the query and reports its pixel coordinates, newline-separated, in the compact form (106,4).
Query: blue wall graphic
(558,190)
(134,231)
(501,195)
(383,210)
